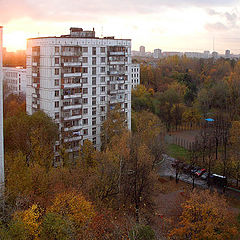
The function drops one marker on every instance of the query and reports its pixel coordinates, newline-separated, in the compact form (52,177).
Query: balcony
(35,74)
(36,85)
(35,64)
(116,72)
(117,53)
(75,128)
(34,95)
(71,54)
(36,106)
(72,96)
(72,64)
(115,62)
(75,106)
(71,117)
(73,139)
(78,74)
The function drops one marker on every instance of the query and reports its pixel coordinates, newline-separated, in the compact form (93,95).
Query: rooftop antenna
(213,44)
(102,31)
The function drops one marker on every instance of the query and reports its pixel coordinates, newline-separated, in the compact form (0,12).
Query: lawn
(178,152)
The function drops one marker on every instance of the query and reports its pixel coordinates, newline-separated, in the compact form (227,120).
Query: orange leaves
(205,216)
(73,206)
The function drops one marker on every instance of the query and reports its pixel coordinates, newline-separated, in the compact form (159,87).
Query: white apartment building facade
(75,79)
(16,79)
(135,75)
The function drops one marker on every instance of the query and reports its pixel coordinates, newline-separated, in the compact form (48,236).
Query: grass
(178,152)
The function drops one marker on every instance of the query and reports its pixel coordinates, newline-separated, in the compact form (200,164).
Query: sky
(171,25)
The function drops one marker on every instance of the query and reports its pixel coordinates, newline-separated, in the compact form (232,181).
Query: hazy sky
(184,25)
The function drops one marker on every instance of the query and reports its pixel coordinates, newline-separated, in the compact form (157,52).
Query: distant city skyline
(181,25)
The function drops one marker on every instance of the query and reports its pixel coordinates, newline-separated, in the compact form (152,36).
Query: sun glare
(15,40)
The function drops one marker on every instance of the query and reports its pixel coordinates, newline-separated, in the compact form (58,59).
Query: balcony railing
(78,74)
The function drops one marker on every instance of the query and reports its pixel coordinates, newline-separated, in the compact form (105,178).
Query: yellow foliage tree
(31,219)
(75,207)
(205,216)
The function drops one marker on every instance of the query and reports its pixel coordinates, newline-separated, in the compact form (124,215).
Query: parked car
(204,176)
(187,168)
(218,180)
(200,172)
(194,170)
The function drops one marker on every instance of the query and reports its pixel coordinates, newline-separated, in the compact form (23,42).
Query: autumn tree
(115,124)
(205,216)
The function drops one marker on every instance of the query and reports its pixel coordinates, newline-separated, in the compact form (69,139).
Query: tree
(235,142)
(115,124)
(205,216)
(74,207)
(31,219)
(55,226)
(87,154)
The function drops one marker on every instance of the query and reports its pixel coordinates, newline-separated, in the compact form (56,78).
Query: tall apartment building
(75,79)
(16,79)
(1,119)
(135,75)
(157,53)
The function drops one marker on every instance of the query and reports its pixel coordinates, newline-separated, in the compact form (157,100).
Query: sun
(15,40)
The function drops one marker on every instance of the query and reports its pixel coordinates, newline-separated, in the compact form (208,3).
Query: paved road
(166,170)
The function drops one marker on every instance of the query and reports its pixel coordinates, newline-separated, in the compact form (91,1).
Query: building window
(85,59)
(102,118)
(94,91)
(102,109)
(57,93)
(94,61)
(56,49)
(102,79)
(85,100)
(85,111)
(85,91)
(56,104)
(103,59)
(102,49)
(56,60)
(85,80)
(94,111)
(85,132)
(76,112)
(85,121)
(93,101)
(56,82)
(93,50)
(126,105)
(126,87)
(94,70)
(94,141)
(56,115)
(102,89)
(102,69)
(85,70)
(85,49)
(94,79)
(56,71)
(94,131)
(102,98)
(94,121)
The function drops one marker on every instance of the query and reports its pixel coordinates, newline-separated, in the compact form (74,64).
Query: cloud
(82,10)
(218,26)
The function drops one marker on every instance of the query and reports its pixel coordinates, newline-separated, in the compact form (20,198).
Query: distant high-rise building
(227,54)
(142,49)
(215,55)
(157,53)
(76,79)
(1,119)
